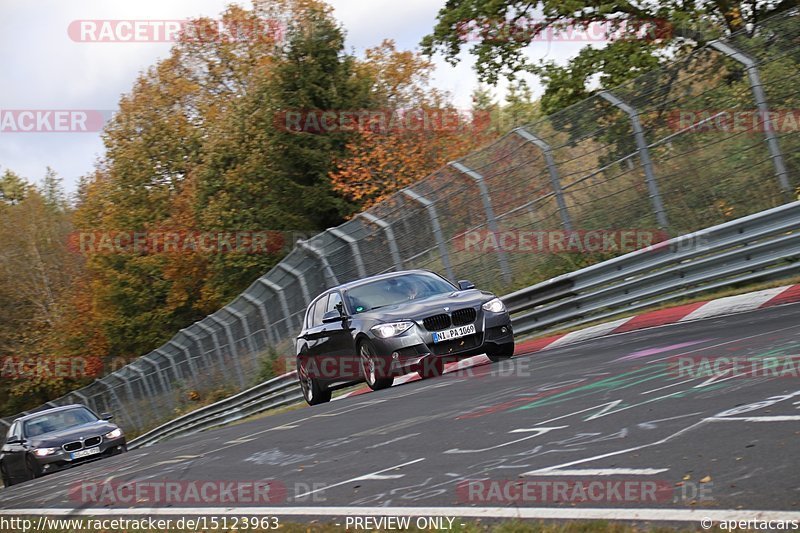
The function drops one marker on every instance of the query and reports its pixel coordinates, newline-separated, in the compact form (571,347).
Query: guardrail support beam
(552,169)
(387,228)
(644,156)
(437,229)
(354,249)
(491,221)
(757,87)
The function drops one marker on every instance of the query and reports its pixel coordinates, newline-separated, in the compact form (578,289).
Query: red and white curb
(672,315)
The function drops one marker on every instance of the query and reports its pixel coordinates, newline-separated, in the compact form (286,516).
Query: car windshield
(58,421)
(395,290)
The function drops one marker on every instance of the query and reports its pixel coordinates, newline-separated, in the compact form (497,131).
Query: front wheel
(313,392)
(500,353)
(7,482)
(371,367)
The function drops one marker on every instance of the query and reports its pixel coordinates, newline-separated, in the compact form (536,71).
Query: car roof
(46,411)
(362,281)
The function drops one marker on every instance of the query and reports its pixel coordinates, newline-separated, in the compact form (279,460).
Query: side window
(309,315)
(319,310)
(334,299)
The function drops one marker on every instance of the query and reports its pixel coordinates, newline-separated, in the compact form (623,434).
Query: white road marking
(598,472)
(360,478)
(539,431)
(392,441)
(554,513)
(776,418)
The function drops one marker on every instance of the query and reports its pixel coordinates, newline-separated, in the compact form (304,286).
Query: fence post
(757,87)
(150,394)
(644,156)
(232,347)
(491,221)
(300,279)
(164,382)
(326,267)
(277,289)
(248,336)
(194,337)
(186,353)
(387,228)
(121,405)
(437,229)
(175,368)
(354,249)
(262,309)
(555,180)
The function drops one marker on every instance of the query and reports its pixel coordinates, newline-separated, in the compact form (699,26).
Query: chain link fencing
(703,140)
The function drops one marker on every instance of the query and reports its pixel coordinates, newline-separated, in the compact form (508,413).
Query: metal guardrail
(277,392)
(763,245)
(760,246)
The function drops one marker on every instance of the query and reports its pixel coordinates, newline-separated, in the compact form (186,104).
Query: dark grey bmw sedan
(377,328)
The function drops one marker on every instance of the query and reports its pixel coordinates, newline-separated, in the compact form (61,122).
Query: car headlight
(391,329)
(113,434)
(495,305)
(43,452)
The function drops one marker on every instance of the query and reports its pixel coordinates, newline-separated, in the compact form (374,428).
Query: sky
(45,69)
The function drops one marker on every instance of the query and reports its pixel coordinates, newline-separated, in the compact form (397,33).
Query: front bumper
(61,460)
(409,351)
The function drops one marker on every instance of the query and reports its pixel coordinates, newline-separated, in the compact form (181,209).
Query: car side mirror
(465,284)
(331,316)
(15,440)
(106,416)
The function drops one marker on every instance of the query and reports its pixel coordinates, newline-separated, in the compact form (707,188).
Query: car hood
(57,438)
(419,309)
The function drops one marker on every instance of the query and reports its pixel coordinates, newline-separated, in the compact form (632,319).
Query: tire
(6,478)
(32,469)
(501,353)
(375,378)
(431,368)
(313,392)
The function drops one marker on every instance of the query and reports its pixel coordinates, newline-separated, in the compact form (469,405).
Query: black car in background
(58,438)
(384,326)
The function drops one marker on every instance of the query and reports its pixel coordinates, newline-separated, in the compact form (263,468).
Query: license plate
(85,453)
(454,333)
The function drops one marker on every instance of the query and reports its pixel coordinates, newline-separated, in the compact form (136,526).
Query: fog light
(395,356)
(504,330)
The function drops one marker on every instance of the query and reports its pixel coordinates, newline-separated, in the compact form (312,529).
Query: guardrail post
(194,337)
(326,267)
(147,387)
(232,344)
(248,336)
(164,382)
(387,228)
(121,405)
(552,169)
(186,353)
(277,289)
(353,243)
(175,368)
(262,309)
(757,87)
(491,221)
(437,229)
(644,156)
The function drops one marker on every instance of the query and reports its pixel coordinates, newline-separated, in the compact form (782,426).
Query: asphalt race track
(609,409)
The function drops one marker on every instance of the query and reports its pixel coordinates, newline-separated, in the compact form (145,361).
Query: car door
(340,341)
(14,454)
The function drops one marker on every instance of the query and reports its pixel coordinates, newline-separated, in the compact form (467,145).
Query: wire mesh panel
(697,142)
